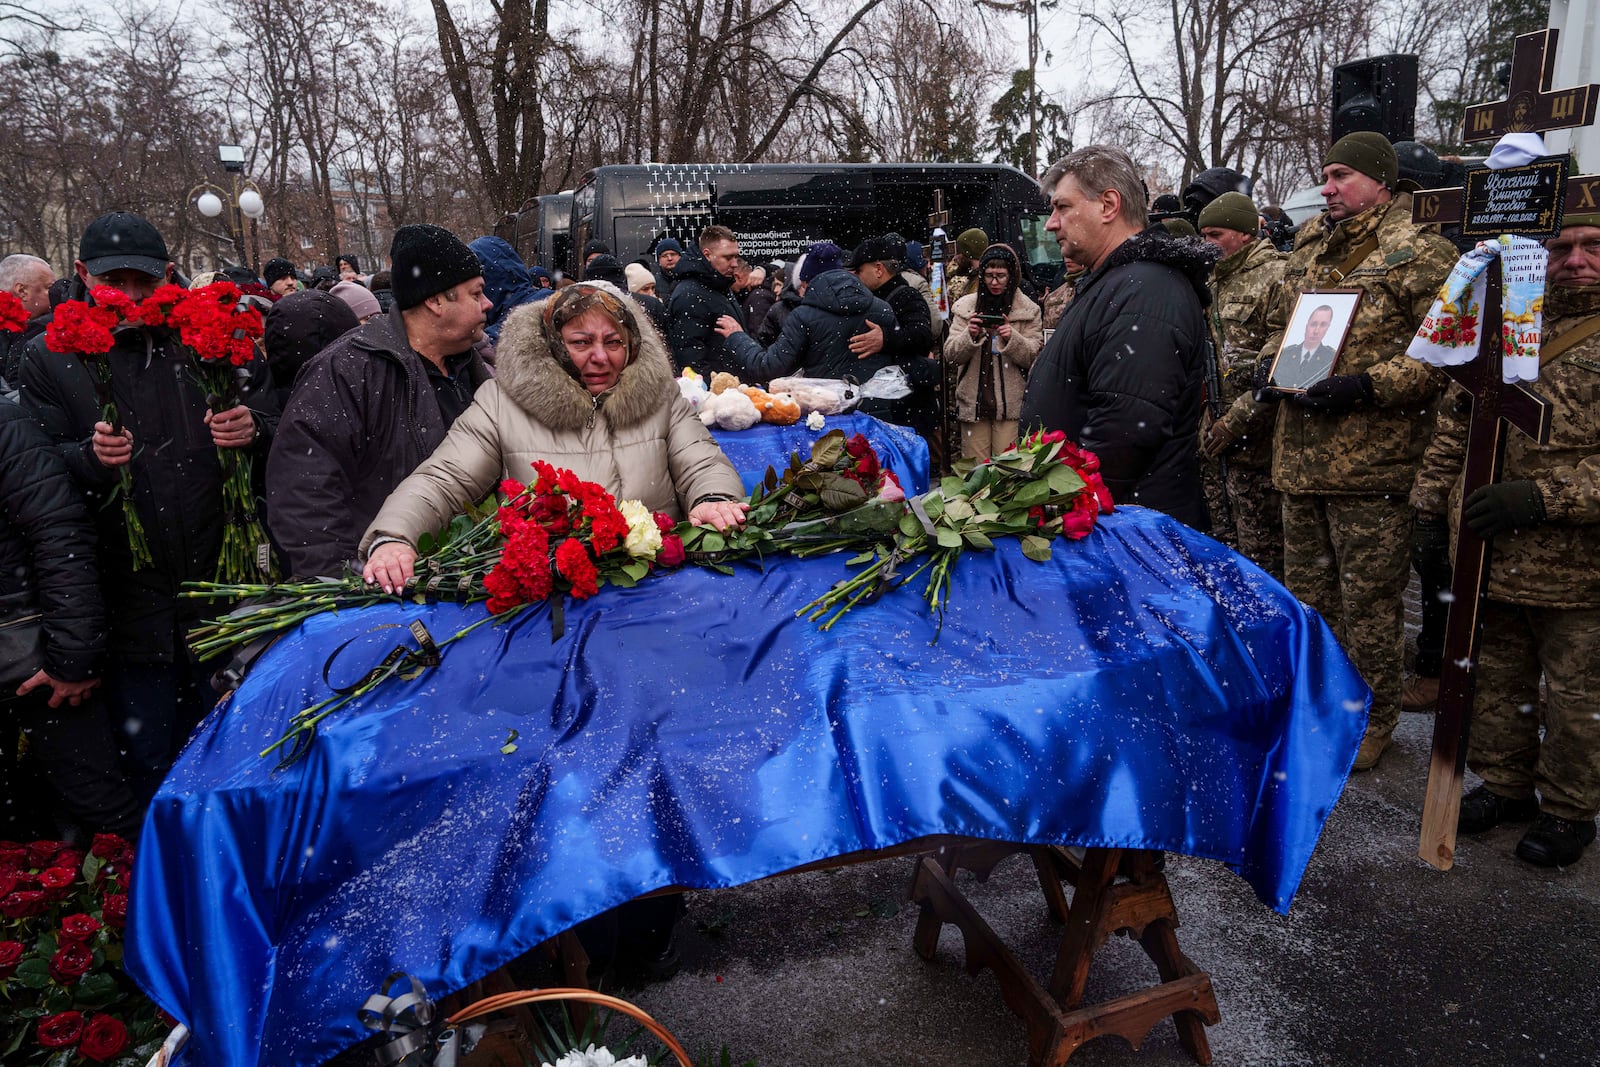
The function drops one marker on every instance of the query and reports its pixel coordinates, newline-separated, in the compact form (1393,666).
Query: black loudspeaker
(1376,94)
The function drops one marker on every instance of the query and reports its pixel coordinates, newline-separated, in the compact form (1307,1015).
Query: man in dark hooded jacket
(665,268)
(298,327)
(376,403)
(703,280)
(507,282)
(1122,374)
(771,325)
(815,340)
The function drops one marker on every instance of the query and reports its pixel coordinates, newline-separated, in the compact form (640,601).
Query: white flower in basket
(596,1057)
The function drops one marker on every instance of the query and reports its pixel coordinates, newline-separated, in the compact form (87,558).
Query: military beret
(1232,211)
(1367,152)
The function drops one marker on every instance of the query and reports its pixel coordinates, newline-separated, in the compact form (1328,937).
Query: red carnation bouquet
(220,331)
(13,316)
(63,997)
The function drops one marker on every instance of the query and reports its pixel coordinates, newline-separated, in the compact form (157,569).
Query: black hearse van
(779,208)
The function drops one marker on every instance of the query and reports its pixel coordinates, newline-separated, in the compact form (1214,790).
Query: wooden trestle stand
(1113,891)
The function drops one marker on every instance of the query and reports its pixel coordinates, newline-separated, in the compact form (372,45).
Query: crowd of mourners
(377,403)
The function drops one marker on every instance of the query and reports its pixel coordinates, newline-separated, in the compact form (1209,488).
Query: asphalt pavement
(1382,959)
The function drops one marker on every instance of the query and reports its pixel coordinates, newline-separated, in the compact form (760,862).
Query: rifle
(1214,406)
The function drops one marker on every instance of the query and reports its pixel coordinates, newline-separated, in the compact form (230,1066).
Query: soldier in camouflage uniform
(1346,451)
(1057,299)
(962,277)
(1542,611)
(1243,284)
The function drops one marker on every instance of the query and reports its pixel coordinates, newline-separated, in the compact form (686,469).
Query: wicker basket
(501,1001)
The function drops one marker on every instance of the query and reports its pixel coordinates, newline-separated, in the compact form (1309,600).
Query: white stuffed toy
(729,410)
(693,388)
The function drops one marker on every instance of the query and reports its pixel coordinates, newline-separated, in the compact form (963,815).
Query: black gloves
(1503,507)
(1262,387)
(1338,394)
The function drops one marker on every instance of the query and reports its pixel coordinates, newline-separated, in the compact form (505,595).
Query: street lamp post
(246,202)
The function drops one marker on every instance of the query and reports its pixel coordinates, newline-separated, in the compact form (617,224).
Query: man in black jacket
(169,439)
(880,262)
(702,283)
(1122,374)
(815,340)
(376,403)
(52,645)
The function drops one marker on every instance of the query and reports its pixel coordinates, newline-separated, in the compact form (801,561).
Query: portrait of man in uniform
(1315,335)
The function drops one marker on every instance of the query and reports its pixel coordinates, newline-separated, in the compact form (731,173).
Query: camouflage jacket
(1243,287)
(1373,449)
(957,285)
(1057,299)
(1556,564)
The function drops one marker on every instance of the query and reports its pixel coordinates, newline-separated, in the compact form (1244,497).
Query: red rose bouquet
(564,536)
(1039,488)
(220,331)
(64,1000)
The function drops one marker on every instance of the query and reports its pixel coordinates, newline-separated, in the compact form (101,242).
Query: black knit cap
(428,260)
(277,268)
(606,268)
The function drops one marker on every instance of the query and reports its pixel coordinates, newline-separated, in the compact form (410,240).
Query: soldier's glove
(1218,439)
(1503,507)
(1338,394)
(1430,541)
(1264,391)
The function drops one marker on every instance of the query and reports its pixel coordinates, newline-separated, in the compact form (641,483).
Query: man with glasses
(1541,615)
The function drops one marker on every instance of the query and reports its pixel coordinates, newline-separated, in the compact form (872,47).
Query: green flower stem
(303,726)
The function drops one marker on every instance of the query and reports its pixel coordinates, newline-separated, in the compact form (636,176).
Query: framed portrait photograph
(1314,338)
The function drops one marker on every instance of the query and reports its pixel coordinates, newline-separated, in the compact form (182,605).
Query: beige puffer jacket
(641,440)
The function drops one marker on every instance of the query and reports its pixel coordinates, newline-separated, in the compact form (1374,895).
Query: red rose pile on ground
(63,997)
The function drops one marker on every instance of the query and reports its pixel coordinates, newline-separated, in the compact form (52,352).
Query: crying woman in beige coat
(582,382)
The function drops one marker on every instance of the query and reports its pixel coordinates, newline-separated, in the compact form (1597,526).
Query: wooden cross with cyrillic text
(1530,107)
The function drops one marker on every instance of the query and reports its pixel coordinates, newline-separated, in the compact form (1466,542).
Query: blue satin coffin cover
(1144,688)
(752,451)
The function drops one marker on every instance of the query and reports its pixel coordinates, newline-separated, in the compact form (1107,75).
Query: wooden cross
(1530,107)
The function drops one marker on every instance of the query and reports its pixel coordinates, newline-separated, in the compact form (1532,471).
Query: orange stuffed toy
(777,408)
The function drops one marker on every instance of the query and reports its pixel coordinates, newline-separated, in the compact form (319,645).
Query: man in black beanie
(280,277)
(375,403)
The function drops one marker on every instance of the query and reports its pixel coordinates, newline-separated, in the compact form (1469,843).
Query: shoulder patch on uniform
(1585,362)
(1399,256)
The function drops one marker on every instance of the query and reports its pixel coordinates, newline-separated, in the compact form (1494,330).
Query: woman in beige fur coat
(583,382)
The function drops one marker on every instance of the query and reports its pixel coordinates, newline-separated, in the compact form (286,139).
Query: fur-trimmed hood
(541,383)
(1189,256)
